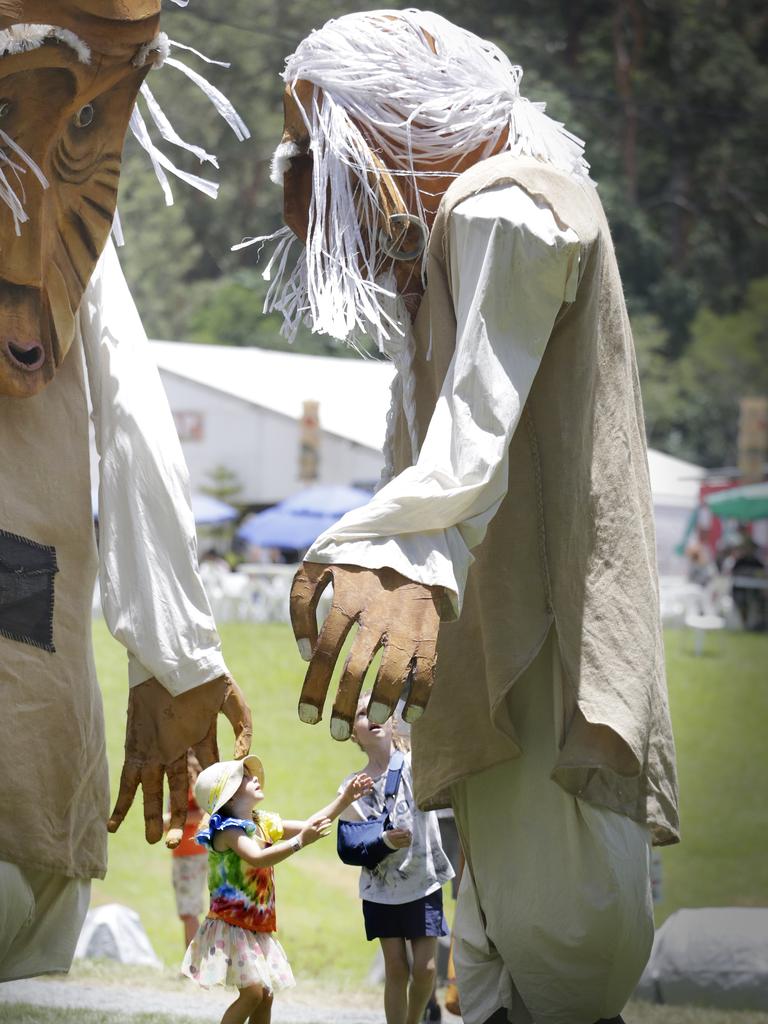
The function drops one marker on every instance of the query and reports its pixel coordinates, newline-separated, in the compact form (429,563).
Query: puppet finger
(129,781)
(364,649)
(422,679)
(152,785)
(390,680)
(178,786)
(238,713)
(307,588)
(207,750)
(329,644)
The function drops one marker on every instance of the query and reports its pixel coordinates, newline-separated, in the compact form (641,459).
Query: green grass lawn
(719,706)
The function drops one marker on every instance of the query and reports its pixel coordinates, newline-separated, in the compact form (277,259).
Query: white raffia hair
(14,162)
(421,89)
(159,50)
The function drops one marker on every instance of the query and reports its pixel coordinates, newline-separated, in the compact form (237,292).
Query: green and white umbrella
(743,503)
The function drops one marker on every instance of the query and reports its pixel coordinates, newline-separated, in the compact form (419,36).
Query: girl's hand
(316,828)
(398,837)
(357,786)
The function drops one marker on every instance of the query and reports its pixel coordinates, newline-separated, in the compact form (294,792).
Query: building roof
(353,393)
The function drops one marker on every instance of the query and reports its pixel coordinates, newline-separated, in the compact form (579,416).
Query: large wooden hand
(393,613)
(159,732)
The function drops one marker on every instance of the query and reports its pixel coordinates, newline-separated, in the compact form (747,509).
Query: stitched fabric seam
(35,544)
(18,638)
(534,449)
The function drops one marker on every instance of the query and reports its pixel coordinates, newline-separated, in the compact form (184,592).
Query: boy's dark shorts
(414,920)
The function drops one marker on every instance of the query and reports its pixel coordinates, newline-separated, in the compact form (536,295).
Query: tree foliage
(727,358)
(669,94)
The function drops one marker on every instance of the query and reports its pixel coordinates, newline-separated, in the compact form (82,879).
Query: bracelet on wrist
(295,844)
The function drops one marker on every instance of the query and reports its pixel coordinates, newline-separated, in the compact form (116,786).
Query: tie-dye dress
(235,944)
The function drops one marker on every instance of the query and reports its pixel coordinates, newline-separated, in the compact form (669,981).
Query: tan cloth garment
(41,916)
(52,751)
(571,545)
(554,919)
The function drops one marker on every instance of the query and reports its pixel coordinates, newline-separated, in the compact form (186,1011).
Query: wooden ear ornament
(401,228)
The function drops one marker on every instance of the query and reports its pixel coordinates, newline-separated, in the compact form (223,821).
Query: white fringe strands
(16,167)
(159,50)
(419,92)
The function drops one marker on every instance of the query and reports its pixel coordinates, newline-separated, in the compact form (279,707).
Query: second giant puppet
(448,217)
(70,73)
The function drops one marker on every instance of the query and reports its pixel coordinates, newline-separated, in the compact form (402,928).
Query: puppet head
(382,111)
(68,83)
(70,71)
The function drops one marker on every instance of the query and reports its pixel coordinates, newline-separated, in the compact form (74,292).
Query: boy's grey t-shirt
(411,873)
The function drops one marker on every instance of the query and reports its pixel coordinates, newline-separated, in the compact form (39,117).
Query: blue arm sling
(361,842)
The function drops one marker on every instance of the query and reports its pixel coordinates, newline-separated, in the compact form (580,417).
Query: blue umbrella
(276,528)
(325,501)
(207,511)
(296,522)
(210,511)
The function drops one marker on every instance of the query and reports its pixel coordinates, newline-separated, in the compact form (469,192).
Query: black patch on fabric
(500,1017)
(26,590)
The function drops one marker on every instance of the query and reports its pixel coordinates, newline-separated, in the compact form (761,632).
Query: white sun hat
(218,784)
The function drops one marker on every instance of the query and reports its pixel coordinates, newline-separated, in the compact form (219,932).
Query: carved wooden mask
(70,116)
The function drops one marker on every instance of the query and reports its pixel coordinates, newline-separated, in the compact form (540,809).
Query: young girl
(402,896)
(235,944)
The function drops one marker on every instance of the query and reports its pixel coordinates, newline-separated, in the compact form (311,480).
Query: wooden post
(753,438)
(309,442)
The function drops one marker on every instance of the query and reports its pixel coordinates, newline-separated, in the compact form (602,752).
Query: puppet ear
(402,235)
(382,182)
(406,238)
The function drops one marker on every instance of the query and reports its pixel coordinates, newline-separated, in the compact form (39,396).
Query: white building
(241,408)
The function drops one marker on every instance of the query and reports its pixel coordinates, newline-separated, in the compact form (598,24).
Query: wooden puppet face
(70,117)
(431,181)
(297,180)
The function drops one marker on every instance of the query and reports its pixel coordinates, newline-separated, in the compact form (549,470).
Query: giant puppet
(70,72)
(436,209)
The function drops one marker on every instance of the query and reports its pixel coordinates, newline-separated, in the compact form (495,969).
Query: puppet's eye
(84,116)
(5,108)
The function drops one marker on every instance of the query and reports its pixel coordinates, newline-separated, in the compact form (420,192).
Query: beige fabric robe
(571,547)
(52,749)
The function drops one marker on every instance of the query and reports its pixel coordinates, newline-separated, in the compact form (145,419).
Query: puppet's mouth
(29,357)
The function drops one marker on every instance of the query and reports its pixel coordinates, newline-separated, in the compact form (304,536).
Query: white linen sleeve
(512,267)
(151,592)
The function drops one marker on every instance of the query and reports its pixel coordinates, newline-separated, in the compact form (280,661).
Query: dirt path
(196,1004)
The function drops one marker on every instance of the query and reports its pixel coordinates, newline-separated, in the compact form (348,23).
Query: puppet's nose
(25,355)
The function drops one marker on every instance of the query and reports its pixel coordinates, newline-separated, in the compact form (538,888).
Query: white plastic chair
(703,616)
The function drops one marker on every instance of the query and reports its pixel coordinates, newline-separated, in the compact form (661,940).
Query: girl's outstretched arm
(248,849)
(357,786)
